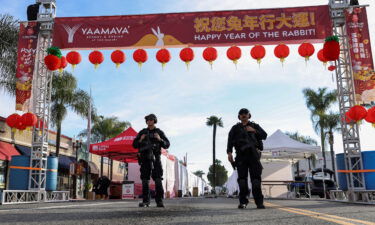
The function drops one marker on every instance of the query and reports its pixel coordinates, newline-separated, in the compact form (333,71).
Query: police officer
(246,137)
(149,141)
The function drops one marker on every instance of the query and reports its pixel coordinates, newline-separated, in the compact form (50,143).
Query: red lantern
(371,116)
(210,55)
(29,119)
(187,55)
(258,52)
(140,56)
(73,58)
(163,56)
(321,57)
(357,113)
(331,68)
(281,51)
(63,64)
(96,58)
(20,126)
(12,121)
(306,50)
(118,57)
(347,119)
(331,48)
(234,54)
(52,62)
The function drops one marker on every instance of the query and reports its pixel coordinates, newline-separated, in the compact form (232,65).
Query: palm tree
(332,123)
(199,173)
(214,121)
(318,103)
(8,53)
(103,129)
(65,95)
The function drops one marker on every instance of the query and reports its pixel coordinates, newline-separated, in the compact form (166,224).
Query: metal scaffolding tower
(42,97)
(346,97)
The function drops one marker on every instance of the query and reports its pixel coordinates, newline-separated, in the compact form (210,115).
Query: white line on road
(65,206)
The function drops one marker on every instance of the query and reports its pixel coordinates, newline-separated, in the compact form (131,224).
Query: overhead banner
(27,44)
(220,28)
(360,53)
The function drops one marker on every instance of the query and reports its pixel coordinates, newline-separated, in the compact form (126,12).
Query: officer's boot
(159,193)
(145,194)
(244,191)
(257,193)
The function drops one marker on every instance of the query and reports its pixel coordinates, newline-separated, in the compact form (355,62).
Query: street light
(77,144)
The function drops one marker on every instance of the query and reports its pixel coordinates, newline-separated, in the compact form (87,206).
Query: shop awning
(118,148)
(65,161)
(7,151)
(93,168)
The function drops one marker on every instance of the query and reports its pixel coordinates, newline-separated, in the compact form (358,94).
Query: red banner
(27,44)
(360,52)
(220,28)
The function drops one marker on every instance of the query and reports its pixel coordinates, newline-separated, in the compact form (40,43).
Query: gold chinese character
(251,22)
(218,23)
(267,19)
(301,19)
(283,21)
(234,23)
(202,24)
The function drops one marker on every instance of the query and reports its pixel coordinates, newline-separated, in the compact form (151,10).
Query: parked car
(316,179)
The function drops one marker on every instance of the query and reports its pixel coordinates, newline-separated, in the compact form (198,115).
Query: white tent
(281,146)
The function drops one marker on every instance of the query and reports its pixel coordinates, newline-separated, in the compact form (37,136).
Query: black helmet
(243,111)
(151,117)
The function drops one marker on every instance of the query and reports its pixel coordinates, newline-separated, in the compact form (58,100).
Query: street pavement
(189,211)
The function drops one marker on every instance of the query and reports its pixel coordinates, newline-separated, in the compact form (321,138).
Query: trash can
(179,193)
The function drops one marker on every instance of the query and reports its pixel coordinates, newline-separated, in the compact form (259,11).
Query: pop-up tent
(118,148)
(281,146)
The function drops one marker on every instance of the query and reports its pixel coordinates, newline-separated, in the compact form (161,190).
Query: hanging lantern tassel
(96,66)
(162,66)
(118,65)
(282,61)
(187,63)
(211,63)
(140,66)
(235,63)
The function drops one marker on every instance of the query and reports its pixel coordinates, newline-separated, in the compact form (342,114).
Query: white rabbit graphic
(160,37)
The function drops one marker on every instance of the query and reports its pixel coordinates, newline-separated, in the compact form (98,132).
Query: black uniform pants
(152,168)
(246,165)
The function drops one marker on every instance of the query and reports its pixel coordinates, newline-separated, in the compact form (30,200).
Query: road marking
(322,216)
(65,206)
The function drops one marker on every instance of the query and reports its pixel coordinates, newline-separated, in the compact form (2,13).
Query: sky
(183,100)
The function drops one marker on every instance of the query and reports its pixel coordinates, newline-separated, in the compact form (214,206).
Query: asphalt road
(189,211)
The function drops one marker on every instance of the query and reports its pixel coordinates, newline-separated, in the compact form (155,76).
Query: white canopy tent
(281,146)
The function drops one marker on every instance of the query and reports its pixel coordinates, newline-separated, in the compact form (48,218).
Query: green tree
(332,124)
(214,121)
(301,138)
(221,174)
(199,173)
(65,95)
(105,128)
(318,102)
(8,53)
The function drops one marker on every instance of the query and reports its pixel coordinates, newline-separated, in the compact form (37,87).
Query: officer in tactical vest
(149,141)
(246,137)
